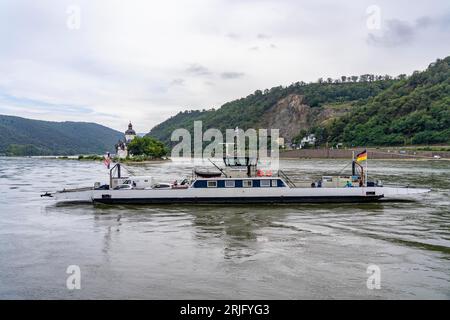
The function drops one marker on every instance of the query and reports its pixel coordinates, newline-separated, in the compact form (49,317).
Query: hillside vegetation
(20,136)
(415,110)
(365,110)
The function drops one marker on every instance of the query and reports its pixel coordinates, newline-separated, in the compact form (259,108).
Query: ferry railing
(287,179)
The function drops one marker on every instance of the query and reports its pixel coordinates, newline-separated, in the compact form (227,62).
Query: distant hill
(356,110)
(20,136)
(290,109)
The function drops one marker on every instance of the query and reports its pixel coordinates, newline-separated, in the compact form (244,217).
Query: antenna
(220,169)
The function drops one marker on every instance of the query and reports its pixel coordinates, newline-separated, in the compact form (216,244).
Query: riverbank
(373,153)
(101,158)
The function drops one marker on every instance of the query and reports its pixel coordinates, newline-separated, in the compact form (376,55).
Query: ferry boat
(238,182)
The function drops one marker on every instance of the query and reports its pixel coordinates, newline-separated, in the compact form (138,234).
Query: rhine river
(222,252)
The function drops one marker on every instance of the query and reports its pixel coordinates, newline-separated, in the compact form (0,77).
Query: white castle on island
(122,146)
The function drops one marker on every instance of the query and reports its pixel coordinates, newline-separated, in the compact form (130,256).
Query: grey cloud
(231,75)
(424,22)
(198,70)
(255,48)
(233,36)
(262,36)
(41,106)
(177,82)
(442,21)
(395,34)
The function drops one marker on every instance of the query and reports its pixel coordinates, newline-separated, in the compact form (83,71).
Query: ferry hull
(83,195)
(250,195)
(247,200)
(238,195)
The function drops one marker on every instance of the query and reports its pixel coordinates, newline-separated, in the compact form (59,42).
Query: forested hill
(359,110)
(415,110)
(20,136)
(249,112)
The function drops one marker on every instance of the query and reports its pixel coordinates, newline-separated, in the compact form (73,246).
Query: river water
(224,252)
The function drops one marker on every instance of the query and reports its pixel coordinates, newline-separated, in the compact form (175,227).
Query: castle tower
(130,134)
(121,146)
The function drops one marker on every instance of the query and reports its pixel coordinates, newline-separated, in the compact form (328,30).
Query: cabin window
(265,183)
(229,183)
(247,183)
(274,183)
(212,184)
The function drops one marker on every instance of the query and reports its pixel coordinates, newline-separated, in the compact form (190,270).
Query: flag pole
(367,160)
(353,162)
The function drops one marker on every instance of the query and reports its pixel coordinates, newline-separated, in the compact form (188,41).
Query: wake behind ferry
(239,181)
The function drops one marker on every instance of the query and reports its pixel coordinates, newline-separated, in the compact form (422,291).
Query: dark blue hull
(242,200)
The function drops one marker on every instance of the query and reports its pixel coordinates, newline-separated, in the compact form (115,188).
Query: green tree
(147,146)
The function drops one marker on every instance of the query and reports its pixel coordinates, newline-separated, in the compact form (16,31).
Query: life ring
(259,173)
(268,173)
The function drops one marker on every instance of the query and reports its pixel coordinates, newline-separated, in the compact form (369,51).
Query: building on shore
(122,145)
(310,140)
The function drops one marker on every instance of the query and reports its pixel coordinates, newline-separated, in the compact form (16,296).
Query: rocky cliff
(291,115)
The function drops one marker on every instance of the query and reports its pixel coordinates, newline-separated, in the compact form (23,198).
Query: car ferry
(238,182)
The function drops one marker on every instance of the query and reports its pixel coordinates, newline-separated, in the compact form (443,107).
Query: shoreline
(382,159)
(281,158)
(379,154)
(87,158)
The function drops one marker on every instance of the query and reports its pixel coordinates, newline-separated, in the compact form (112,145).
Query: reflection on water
(201,251)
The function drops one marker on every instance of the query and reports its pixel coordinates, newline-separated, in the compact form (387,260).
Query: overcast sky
(114,61)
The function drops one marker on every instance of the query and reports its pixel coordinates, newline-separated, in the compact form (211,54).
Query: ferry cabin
(269,182)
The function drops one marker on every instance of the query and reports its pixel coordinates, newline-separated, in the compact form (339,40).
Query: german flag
(361,156)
